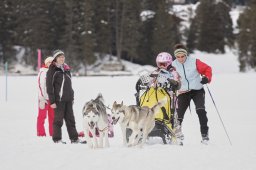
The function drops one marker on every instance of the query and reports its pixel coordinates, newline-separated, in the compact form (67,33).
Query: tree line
(132,30)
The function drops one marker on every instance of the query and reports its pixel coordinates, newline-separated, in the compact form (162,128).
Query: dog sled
(152,88)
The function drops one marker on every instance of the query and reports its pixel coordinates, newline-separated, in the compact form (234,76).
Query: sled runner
(152,88)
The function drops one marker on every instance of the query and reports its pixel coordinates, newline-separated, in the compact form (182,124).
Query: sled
(149,95)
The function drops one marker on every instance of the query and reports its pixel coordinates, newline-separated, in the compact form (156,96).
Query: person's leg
(183,103)
(40,122)
(199,100)
(70,122)
(58,121)
(50,118)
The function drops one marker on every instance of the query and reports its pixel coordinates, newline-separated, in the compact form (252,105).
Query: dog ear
(122,103)
(94,105)
(85,107)
(114,104)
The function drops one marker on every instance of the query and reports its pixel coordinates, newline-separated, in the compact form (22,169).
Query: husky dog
(95,116)
(141,120)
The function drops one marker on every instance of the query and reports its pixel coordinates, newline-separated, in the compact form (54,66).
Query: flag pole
(39,57)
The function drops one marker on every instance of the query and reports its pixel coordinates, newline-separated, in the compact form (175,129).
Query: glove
(204,80)
(42,103)
(175,84)
(137,86)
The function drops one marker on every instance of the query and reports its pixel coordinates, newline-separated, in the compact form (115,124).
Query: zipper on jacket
(185,75)
(62,85)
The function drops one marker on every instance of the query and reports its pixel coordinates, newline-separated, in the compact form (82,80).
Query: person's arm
(49,84)
(42,84)
(175,82)
(204,69)
(69,73)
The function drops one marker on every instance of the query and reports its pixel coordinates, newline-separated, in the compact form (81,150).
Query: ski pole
(218,114)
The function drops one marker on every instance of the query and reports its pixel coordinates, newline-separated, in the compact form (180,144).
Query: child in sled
(162,82)
(163,76)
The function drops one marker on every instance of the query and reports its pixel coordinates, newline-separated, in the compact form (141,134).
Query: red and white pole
(39,58)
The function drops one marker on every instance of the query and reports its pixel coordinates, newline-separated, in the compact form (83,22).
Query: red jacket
(204,69)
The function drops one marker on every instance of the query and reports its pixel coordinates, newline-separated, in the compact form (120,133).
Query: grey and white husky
(95,116)
(141,120)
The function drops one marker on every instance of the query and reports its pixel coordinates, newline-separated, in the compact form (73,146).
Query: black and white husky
(141,120)
(95,116)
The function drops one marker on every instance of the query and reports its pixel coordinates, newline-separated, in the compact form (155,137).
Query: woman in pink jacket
(43,102)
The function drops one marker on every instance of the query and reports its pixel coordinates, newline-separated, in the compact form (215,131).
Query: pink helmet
(163,60)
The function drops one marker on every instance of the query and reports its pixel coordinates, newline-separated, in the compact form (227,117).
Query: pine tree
(211,29)
(165,34)
(223,9)
(131,24)
(8,24)
(246,38)
(145,44)
(193,34)
(102,24)
(79,33)
(60,13)
(88,36)
(34,29)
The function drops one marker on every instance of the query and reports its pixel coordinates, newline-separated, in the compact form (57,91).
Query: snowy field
(233,92)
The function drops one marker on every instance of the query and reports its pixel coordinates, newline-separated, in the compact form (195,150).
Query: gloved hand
(42,103)
(137,86)
(175,84)
(204,80)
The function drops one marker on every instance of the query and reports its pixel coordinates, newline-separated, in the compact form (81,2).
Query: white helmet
(163,60)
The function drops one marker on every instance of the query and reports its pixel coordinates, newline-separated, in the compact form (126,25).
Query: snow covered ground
(233,92)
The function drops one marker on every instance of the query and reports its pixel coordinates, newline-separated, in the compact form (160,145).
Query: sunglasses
(162,64)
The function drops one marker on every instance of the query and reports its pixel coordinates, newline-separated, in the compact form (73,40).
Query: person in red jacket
(43,101)
(194,74)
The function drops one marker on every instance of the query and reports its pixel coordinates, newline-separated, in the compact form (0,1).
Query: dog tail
(157,106)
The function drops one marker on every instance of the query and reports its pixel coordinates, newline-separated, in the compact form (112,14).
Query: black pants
(64,111)
(198,97)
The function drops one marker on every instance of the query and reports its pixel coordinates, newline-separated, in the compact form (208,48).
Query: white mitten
(42,103)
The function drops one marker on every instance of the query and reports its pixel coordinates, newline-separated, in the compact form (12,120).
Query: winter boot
(178,132)
(205,139)
(60,141)
(77,141)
